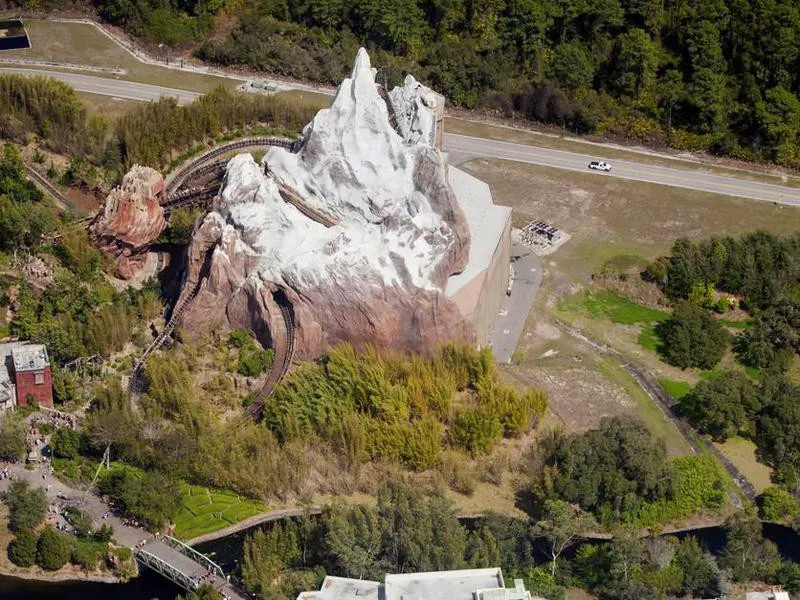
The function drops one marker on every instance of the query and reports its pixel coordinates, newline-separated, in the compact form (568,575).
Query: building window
(38,378)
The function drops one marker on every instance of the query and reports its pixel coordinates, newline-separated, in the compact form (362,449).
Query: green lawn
(647,410)
(676,389)
(206,510)
(700,484)
(82,44)
(740,324)
(605,304)
(742,453)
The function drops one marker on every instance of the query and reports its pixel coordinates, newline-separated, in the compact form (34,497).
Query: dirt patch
(609,217)
(578,395)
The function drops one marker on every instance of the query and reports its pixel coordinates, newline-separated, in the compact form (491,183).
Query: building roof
(449,585)
(343,588)
(486,225)
(30,357)
(6,363)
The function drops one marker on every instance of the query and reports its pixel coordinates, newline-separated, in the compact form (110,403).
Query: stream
(227,552)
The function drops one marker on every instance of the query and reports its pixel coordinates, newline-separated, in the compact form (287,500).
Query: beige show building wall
(480,290)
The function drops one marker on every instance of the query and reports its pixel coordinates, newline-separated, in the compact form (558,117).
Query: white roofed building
(465,584)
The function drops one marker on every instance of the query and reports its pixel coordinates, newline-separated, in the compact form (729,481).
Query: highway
(104,86)
(462,148)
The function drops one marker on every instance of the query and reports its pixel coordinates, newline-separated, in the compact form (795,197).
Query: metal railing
(196,556)
(164,568)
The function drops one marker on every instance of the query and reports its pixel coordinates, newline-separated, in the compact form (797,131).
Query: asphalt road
(463,148)
(516,308)
(104,86)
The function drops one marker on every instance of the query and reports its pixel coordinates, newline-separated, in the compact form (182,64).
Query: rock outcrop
(367,255)
(132,218)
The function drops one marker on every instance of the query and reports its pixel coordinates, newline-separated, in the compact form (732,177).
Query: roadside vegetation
(154,134)
(662,73)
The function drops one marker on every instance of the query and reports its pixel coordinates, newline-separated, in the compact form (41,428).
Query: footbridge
(185,566)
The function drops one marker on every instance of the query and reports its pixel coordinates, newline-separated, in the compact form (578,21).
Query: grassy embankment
(203,509)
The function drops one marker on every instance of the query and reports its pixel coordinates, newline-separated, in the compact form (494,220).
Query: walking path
(509,325)
(60,494)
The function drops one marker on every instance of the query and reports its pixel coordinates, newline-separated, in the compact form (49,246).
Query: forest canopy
(697,74)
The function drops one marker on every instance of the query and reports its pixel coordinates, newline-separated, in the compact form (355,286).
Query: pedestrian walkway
(517,306)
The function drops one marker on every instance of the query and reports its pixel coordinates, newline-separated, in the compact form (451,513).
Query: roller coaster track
(186,171)
(190,197)
(172,199)
(283,340)
(389,107)
(293,198)
(162,337)
(45,184)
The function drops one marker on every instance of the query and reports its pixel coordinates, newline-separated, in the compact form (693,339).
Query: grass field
(676,389)
(647,410)
(206,510)
(83,44)
(742,453)
(605,304)
(106,105)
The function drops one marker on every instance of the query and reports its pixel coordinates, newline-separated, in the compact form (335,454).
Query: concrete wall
(26,385)
(494,289)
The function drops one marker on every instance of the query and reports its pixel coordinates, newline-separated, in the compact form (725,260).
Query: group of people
(6,474)
(55,418)
(56,516)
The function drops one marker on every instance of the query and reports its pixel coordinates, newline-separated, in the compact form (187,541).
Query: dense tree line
(761,268)
(52,110)
(24,213)
(75,318)
(692,337)
(339,414)
(767,412)
(620,473)
(713,74)
(759,271)
(408,532)
(151,133)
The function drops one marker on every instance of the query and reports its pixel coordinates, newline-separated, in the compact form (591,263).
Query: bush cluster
(380,406)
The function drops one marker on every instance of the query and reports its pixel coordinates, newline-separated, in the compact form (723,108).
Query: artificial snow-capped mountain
(358,230)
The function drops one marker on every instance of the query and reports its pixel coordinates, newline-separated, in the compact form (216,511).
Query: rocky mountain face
(132,218)
(357,232)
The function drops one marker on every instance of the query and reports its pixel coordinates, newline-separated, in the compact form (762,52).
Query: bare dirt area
(579,395)
(610,221)
(609,217)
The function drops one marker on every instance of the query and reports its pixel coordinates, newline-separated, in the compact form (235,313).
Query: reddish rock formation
(131,219)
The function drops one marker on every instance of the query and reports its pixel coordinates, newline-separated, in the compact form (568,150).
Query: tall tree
(561,525)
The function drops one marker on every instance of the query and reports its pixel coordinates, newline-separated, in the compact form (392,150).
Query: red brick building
(27,369)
